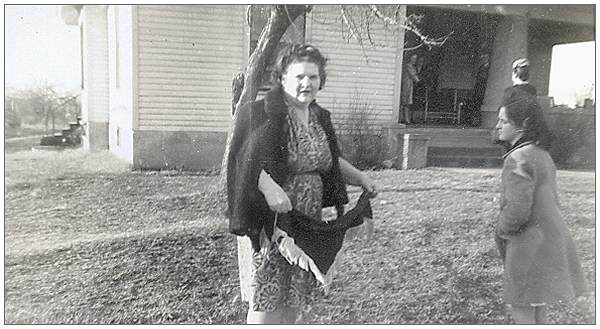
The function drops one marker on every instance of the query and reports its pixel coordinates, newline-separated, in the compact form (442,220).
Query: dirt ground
(88,241)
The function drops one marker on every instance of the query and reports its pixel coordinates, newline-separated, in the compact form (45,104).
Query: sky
(40,48)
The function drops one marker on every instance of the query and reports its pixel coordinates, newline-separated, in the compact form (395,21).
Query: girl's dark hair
(524,111)
(298,53)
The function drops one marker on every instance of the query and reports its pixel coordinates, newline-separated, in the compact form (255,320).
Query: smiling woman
(284,157)
(40,48)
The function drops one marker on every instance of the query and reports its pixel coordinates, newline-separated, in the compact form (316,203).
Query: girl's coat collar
(516,147)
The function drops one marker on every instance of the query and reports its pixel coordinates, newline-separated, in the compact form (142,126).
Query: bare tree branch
(278,22)
(345,18)
(409,25)
(353,31)
(249,15)
(397,12)
(287,12)
(368,25)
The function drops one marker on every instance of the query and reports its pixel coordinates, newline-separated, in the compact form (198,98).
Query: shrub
(574,144)
(361,138)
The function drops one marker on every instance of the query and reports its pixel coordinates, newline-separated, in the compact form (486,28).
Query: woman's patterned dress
(277,283)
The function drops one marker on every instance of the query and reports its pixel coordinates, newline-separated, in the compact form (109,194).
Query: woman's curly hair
(297,53)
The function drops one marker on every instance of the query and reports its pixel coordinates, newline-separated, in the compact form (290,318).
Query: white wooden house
(156,84)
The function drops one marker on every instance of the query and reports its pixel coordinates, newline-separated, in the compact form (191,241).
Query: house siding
(367,76)
(187,58)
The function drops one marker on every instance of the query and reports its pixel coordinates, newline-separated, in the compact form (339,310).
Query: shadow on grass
(180,278)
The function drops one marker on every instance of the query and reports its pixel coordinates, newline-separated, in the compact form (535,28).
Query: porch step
(455,137)
(493,151)
(470,157)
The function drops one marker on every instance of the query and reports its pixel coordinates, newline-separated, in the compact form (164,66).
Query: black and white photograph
(289,163)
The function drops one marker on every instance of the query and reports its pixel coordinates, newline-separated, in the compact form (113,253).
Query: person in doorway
(539,256)
(520,80)
(285,158)
(409,78)
(473,110)
(420,64)
(421,88)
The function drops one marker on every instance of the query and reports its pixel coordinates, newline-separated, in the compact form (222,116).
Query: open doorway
(452,78)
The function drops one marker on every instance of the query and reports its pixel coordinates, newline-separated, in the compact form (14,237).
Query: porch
(456,146)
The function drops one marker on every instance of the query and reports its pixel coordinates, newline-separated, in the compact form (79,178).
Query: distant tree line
(41,107)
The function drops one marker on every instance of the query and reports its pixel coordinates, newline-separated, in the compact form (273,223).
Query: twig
(249,15)
(345,18)
(287,12)
(369,31)
(409,26)
(354,32)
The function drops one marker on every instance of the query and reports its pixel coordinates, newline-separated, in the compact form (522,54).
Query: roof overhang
(579,14)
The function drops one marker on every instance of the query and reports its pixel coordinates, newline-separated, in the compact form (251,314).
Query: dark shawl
(313,245)
(259,142)
(518,91)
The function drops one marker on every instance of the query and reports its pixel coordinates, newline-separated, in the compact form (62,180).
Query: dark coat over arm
(259,142)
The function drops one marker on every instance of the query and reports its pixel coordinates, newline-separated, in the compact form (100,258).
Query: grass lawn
(87,241)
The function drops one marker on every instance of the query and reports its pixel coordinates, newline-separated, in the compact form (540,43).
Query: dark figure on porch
(473,108)
(422,89)
(520,80)
(409,77)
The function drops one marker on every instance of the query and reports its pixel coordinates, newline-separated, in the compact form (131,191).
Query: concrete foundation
(96,136)
(414,152)
(392,133)
(406,150)
(178,150)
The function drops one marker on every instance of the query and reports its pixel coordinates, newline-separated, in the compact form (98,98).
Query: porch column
(510,43)
(94,96)
(540,59)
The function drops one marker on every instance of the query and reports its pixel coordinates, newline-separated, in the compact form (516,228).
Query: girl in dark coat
(540,259)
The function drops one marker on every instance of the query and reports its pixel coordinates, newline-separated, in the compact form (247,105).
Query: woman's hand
(356,177)
(369,185)
(275,196)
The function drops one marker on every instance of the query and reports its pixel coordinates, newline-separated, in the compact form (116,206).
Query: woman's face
(506,129)
(301,82)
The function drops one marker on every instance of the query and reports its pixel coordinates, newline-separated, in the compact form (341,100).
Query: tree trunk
(53,126)
(45,110)
(280,19)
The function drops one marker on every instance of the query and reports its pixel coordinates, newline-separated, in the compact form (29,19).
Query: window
(572,74)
